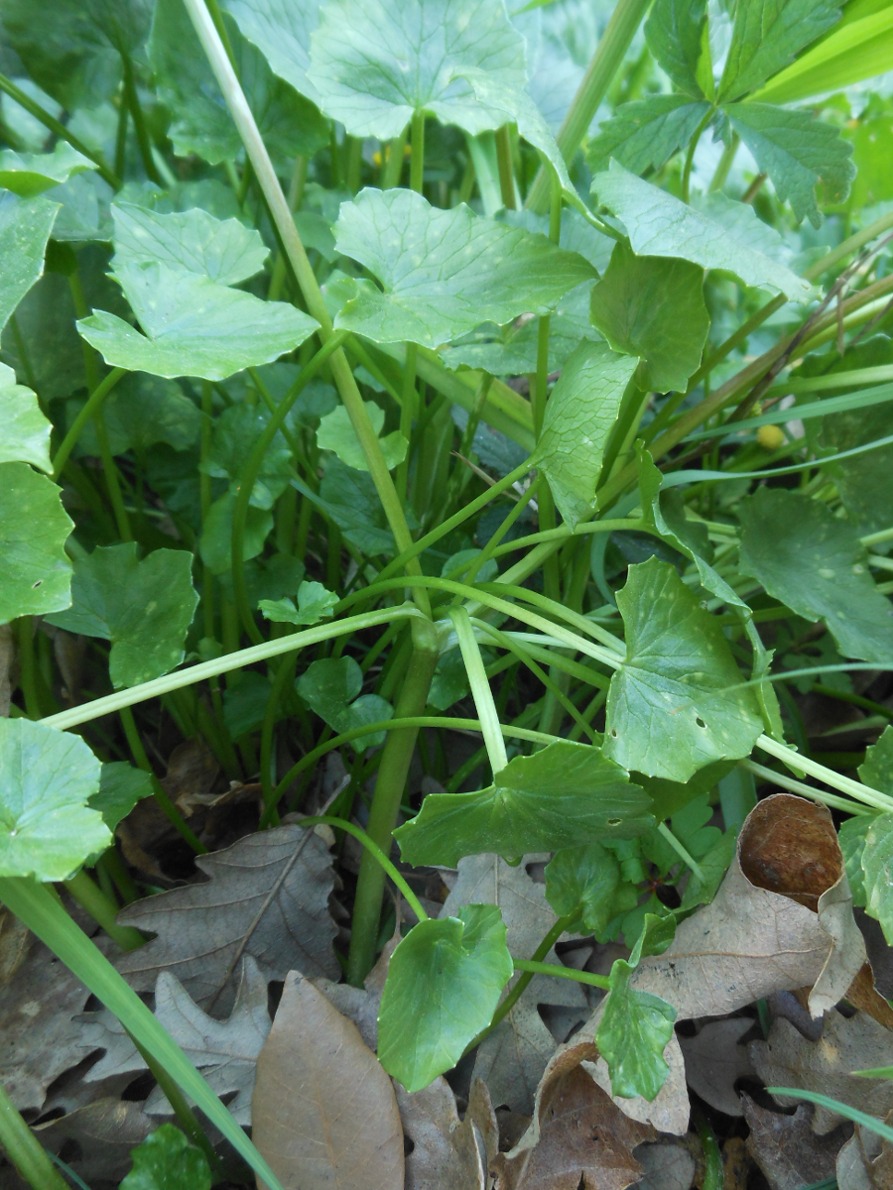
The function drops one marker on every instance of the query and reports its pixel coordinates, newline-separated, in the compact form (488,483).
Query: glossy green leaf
(673,706)
(797,151)
(315,603)
(563,796)
(46,828)
(28,174)
(216,542)
(851,837)
(653,307)
(331,687)
(877,768)
(374,66)
(766,36)
(336,433)
(582,410)
(877,868)
(644,134)
(201,124)
(121,786)
(25,226)
(443,273)
(636,1026)
(167,1161)
(813,562)
(660,225)
(26,432)
(141,411)
(350,499)
(222,249)
(674,32)
(192,326)
(281,30)
(582,881)
(443,985)
(236,431)
(35,577)
(143,607)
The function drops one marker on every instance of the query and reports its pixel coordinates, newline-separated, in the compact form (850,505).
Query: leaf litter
(532,1111)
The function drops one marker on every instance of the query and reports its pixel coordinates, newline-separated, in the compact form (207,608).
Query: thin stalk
(91,898)
(132,100)
(518,988)
(59,129)
(683,853)
(24,1150)
(307,283)
(555,969)
(506,170)
(90,407)
(608,57)
(207,670)
(480,690)
(815,795)
(417,153)
(389,788)
(377,854)
(864,794)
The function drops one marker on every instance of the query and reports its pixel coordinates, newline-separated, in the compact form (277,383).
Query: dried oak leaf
(751,941)
(324,1112)
(104,1132)
(225,1051)
(786,1149)
(38,1040)
(714,1061)
(788,1059)
(579,1138)
(446,1153)
(267,897)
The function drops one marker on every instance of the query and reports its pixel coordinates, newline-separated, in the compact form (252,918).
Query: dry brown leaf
(39,1039)
(579,1138)
(667,1165)
(787,1059)
(714,1061)
(267,897)
(324,1111)
(745,945)
(865,1162)
(785,1147)
(104,1133)
(446,1154)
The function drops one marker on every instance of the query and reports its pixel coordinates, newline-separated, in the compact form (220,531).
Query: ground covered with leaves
(446,472)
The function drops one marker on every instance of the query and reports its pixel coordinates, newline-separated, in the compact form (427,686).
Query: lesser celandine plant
(351,392)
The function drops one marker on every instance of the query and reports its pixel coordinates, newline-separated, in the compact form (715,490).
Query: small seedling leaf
(331,687)
(167,1161)
(443,985)
(315,603)
(336,433)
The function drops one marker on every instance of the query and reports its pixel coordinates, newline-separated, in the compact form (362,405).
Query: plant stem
(307,283)
(480,690)
(794,760)
(222,665)
(389,786)
(58,129)
(24,1150)
(89,409)
(587,977)
(625,20)
(92,899)
(377,854)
